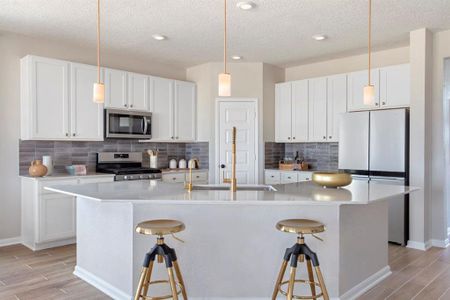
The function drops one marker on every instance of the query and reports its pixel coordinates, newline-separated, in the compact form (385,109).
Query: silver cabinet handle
(329,137)
(293,138)
(289,138)
(74,134)
(384,103)
(324,137)
(131,105)
(376,104)
(171,137)
(67,134)
(125,105)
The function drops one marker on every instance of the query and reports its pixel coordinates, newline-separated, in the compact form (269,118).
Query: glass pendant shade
(369,95)
(99,93)
(224,85)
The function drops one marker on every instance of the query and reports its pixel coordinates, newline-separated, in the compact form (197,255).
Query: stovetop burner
(126,166)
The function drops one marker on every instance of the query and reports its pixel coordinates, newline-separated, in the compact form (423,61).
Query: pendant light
(225,78)
(99,87)
(369,89)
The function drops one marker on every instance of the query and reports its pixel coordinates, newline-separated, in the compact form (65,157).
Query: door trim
(220,100)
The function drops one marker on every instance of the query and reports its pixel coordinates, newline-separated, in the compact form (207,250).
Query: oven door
(128,124)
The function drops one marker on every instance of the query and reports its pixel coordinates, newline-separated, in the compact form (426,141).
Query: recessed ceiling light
(236,57)
(159,37)
(246,5)
(319,37)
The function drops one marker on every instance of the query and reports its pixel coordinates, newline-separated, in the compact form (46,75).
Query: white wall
(12,48)
(348,64)
(248,80)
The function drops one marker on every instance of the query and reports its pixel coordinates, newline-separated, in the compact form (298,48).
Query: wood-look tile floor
(47,274)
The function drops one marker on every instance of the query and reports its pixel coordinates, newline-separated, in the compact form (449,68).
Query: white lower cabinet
(285,177)
(199,177)
(48,218)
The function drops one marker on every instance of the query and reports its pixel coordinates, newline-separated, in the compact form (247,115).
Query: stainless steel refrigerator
(374,146)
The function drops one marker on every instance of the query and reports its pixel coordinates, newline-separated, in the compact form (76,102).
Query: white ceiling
(277,31)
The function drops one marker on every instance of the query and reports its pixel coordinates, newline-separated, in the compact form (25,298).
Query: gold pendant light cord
(370,38)
(225,38)
(98,41)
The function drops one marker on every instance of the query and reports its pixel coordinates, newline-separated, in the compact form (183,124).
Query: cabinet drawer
(198,176)
(96,180)
(272,178)
(174,177)
(288,178)
(304,176)
(52,183)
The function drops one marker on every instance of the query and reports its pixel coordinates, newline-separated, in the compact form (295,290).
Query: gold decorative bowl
(331,179)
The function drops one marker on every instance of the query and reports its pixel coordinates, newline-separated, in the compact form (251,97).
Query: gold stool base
(179,290)
(298,296)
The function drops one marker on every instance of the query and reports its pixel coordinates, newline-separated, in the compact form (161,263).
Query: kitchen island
(232,249)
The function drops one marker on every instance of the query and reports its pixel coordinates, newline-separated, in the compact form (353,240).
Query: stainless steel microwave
(128,124)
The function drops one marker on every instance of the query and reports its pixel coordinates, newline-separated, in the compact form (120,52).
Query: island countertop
(140,191)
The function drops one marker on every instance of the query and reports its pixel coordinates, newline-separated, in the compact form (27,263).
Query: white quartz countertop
(144,191)
(57,176)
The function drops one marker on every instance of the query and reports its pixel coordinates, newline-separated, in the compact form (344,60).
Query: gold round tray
(331,179)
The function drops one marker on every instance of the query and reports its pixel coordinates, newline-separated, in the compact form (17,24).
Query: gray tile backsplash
(67,153)
(320,156)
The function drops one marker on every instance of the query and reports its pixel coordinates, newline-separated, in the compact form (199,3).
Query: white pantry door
(243,115)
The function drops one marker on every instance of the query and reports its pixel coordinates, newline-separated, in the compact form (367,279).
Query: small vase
(37,169)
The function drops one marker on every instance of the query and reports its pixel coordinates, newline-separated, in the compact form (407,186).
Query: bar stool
(299,252)
(163,253)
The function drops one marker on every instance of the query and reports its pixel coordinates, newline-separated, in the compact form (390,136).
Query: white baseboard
(52,244)
(419,245)
(10,241)
(366,284)
(100,284)
(440,243)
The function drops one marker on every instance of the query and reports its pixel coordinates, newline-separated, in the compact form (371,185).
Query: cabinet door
(185,111)
(115,89)
(356,83)
(395,86)
(56,217)
(299,113)
(86,116)
(138,92)
(283,112)
(318,109)
(336,104)
(49,98)
(161,106)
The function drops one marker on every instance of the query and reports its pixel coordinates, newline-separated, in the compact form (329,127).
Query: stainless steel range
(125,165)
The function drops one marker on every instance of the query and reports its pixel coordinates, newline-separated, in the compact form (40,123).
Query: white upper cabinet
(283,112)
(185,111)
(44,98)
(86,117)
(356,83)
(336,104)
(161,106)
(138,92)
(299,111)
(318,109)
(115,89)
(395,86)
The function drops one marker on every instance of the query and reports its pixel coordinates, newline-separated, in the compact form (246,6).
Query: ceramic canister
(48,162)
(182,164)
(173,164)
(37,169)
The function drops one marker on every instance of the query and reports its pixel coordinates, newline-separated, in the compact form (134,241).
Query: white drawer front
(272,177)
(198,177)
(304,176)
(96,180)
(288,178)
(174,177)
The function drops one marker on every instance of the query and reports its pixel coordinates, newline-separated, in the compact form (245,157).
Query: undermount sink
(244,187)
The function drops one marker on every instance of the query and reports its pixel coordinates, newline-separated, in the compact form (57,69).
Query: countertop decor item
(48,163)
(153,154)
(331,179)
(182,164)
(76,169)
(173,164)
(37,169)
